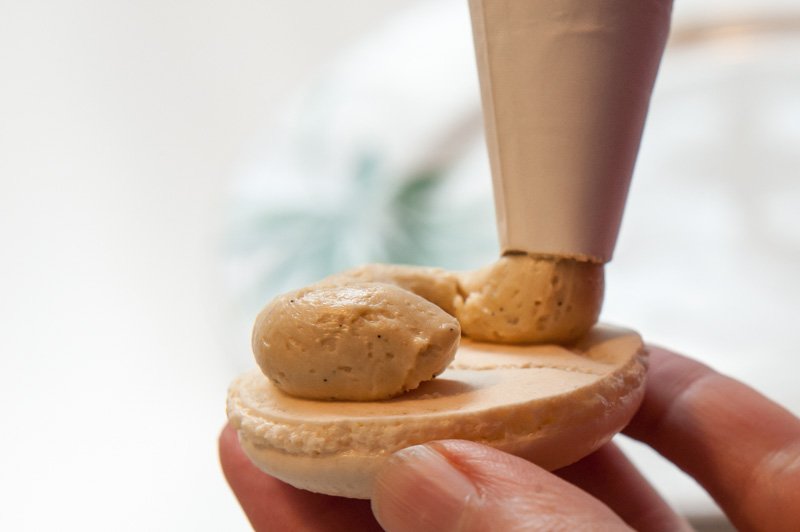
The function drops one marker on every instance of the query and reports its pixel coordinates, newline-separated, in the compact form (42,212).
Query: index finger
(741,447)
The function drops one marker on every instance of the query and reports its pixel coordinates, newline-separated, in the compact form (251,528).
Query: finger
(272,505)
(740,446)
(608,475)
(460,485)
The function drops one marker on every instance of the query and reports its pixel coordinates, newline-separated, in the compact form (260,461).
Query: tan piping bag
(565,86)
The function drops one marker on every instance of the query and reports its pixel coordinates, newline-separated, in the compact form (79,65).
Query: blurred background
(166,167)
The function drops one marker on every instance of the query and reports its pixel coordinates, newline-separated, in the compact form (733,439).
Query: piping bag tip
(565,87)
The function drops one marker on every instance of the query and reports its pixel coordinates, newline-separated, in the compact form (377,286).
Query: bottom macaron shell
(550,404)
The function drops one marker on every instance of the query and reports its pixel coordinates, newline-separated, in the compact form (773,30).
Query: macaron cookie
(550,404)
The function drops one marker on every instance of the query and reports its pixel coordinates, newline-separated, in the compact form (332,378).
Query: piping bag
(565,87)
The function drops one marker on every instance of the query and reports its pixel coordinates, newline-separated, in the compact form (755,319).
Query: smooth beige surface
(359,342)
(524,299)
(547,403)
(565,86)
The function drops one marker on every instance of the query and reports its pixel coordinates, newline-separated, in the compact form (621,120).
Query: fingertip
(668,374)
(449,485)
(235,464)
(226,445)
(419,489)
(721,432)
(227,440)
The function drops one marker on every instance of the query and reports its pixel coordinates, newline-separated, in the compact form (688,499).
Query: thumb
(465,486)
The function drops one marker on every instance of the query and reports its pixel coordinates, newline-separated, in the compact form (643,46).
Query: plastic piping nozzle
(565,86)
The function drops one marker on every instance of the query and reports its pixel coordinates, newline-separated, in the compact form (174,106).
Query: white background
(121,126)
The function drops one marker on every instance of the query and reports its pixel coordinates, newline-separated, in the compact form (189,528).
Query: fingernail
(421,490)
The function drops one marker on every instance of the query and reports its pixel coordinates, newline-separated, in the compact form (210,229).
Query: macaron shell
(550,404)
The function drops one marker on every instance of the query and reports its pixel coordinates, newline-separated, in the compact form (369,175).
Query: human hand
(740,446)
